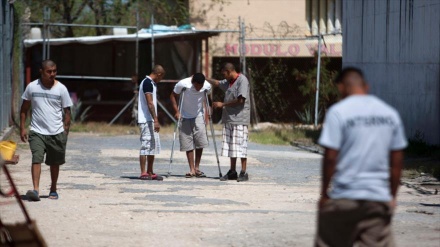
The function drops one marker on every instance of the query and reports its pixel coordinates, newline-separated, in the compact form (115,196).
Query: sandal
(144,176)
(153,176)
(190,175)
(200,174)
(53,195)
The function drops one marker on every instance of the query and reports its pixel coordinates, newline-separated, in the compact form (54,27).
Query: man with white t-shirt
(149,123)
(364,141)
(192,134)
(50,100)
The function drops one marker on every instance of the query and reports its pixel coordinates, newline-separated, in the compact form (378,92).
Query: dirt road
(102,203)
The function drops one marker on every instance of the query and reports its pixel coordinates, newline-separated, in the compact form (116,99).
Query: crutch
(179,121)
(212,133)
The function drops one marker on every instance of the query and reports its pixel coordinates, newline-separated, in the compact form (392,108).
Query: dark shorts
(54,146)
(346,223)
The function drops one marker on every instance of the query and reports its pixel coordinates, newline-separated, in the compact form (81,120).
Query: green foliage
(327,89)
(78,114)
(308,116)
(423,156)
(418,147)
(106,12)
(284,135)
(267,83)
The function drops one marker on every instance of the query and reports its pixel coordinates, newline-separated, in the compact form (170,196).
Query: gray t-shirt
(47,106)
(364,129)
(238,114)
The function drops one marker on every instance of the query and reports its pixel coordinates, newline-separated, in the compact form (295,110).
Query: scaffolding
(46,42)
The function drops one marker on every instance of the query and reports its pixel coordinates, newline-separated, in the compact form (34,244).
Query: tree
(327,89)
(267,83)
(65,11)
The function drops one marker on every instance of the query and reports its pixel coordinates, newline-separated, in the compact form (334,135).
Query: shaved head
(157,73)
(228,67)
(349,72)
(351,81)
(47,63)
(158,69)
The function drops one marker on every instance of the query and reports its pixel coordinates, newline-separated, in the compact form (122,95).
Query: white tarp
(90,40)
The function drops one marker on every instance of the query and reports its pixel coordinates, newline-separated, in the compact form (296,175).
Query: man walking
(149,123)
(236,118)
(49,99)
(364,141)
(192,134)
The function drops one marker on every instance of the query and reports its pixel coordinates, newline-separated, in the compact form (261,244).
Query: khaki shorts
(345,222)
(150,141)
(54,146)
(192,134)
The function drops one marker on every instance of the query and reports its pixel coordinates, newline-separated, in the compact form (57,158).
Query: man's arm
(239,101)
(67,120)
(174,105)
(328,169)
(213,82)
(396,165)
(25,106)
(152,110)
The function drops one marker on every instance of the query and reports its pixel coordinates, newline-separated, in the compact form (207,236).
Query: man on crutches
(192,118)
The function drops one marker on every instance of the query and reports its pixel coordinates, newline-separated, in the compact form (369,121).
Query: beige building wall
(267,19)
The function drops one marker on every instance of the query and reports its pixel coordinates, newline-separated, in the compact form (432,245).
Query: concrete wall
(397,44)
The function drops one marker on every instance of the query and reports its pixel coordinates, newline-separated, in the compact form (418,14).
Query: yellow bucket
(7,149)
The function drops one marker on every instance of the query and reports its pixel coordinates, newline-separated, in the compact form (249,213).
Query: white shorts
(150,141)
(235,140)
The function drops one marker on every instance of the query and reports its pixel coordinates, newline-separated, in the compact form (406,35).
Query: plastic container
(7,149)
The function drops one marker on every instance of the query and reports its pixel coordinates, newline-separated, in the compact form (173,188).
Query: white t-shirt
(47,106)
(147,86)
(364,129)
(192,105)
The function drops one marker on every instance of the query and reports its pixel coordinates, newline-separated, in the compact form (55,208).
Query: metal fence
(322,65)
(6,51)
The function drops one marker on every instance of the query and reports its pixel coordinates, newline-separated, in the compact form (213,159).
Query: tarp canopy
(144,34)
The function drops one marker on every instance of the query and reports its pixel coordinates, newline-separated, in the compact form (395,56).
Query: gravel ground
(102,203)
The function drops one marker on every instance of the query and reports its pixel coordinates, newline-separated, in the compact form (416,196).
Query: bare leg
(243,164)
(54,172)
(36,172)
(190,157)
(199,153)
(150,160)
(142,161)
(233,164)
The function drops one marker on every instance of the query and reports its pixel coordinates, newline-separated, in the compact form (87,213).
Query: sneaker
(243,177)
(231,175)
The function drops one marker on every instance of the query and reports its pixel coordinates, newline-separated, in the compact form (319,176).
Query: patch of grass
(115,129)
(422,157)
(284,136)
(414,167)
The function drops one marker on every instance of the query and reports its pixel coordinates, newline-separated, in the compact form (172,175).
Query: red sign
(283,50)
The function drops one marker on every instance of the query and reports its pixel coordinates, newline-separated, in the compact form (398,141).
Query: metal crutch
(179,121)
(212,133)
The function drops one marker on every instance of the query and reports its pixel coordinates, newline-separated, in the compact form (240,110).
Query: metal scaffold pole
(152,38)
(318,73)
(137,41)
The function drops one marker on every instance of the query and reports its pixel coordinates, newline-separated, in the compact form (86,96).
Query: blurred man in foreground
(364,141)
